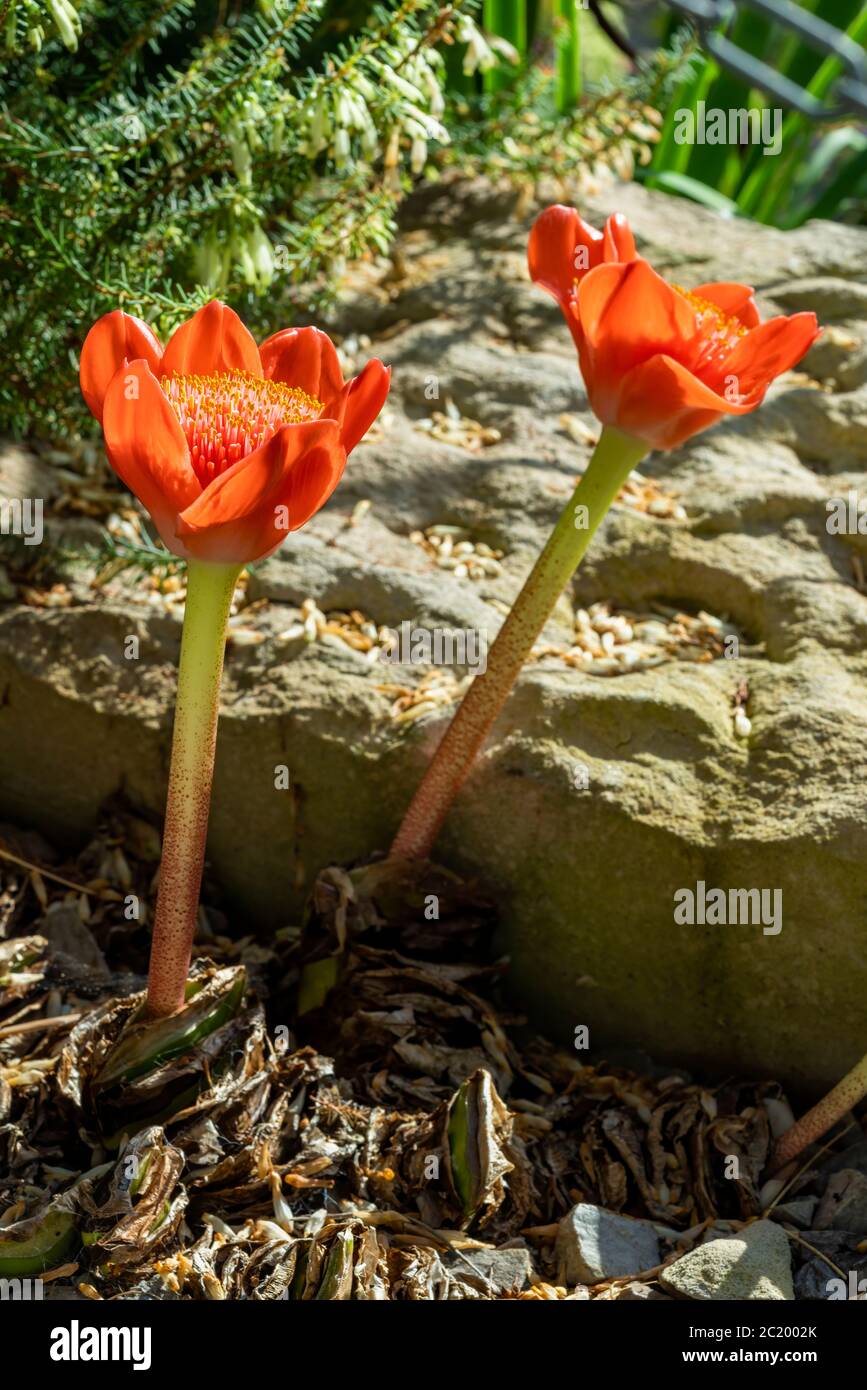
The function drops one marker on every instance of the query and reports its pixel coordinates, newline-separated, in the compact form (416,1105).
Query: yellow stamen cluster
(718,333)
(226,416)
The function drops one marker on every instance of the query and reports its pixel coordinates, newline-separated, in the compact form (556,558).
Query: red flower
(226,444)
(659,362)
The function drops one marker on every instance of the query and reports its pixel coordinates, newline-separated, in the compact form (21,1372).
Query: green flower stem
(209,596)
(615,456)
(819,1120)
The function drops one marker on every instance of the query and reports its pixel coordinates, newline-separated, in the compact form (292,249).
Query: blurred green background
(154,153)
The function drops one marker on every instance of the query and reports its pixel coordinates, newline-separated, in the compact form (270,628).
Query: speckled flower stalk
(615,456)
(209,595)
(816,1122)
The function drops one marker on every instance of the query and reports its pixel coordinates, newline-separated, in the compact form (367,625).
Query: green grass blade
(667,147)
(567,38)
(672,181)
(847,150)
(766,188)
(507,19)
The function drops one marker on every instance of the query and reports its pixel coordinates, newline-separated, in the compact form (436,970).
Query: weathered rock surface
(753,1265)
(595,1244)
(844,1203)
(586,877)
(799,1212)
(507,1270)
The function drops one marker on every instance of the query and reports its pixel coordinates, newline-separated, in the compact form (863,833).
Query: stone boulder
(487,430)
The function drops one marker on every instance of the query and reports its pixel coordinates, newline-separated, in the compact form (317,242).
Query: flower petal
(147,448)
(305,358)
(552,255)
(662,402)
(735,301)
(618,241)
(114,339)
(628,314)
(246,512)
(769,350)
(360,402)
(214,340)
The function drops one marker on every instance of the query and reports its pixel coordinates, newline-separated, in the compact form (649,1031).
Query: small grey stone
(502,1271)
(844,1204)
(71,940)
(799,1212)
(755,1264)
(594,1244)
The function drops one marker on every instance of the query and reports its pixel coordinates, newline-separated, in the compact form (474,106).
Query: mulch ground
(410,1137)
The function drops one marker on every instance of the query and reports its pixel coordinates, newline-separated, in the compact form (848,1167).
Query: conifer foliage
(154,153)
(157,153)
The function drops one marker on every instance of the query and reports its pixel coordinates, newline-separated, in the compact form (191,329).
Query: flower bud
(320,126)
(244,257)
(242,161)
(262,255)
(341,147)
(418,155)
(276,132)
(479,55)
(67,23)
(209,261)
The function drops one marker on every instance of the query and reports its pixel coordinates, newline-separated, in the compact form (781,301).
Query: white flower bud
(504,48)
(242,161)
(418,156)
(262,254)
(399,83)
(391,158)
(209,262)
(245,260)
(276,132)
(341,147)
(320,126)
(431,128)
(433,90)
(67,22)
(363,86)
(479,55)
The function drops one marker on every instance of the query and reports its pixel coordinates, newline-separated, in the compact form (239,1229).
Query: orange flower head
(659,362)
(225,417)
(228,445)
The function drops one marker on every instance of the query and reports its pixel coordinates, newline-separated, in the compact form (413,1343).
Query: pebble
(607,642)
(799,1212)
(595,1244)
(507,1270)
(844,1204)
(755,1264)
(452,548)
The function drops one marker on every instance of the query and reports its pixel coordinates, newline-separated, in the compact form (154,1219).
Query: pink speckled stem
(819,1120)
(209,596)
(613,459)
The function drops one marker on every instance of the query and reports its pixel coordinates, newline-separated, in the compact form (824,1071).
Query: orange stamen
(716,332)
(226,416)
